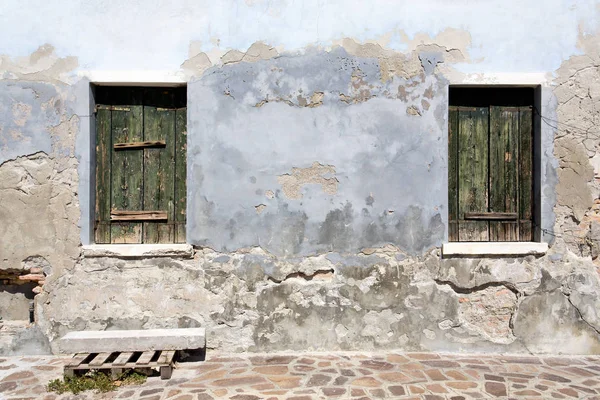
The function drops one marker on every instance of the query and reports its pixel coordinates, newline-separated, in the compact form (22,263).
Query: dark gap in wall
(150,96)
(494,96)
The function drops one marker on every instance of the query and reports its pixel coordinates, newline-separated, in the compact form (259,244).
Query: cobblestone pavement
(334,375)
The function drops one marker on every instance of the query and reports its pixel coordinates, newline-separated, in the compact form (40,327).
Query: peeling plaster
(292,183)
(42,65)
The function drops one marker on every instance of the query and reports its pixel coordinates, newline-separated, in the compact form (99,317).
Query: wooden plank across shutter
(103,177)
(127,173)
(159,173)
(504,160)
(453,174)
(473,124)
(525,174)
(180,173)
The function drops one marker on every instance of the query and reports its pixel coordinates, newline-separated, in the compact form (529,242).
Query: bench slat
(123,358)
(99,359)
(145,357)
(77,359)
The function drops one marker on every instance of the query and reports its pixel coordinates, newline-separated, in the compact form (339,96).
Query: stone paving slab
(390,375)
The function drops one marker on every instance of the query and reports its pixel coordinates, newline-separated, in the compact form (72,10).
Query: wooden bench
(125,349)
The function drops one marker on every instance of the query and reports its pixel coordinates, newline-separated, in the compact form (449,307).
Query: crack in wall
(322,274)
(581,315)
(473,289)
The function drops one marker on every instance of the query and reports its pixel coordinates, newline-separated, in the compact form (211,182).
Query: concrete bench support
(134,340)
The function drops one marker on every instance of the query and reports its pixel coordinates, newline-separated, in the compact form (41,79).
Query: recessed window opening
(140,164)
(491,172)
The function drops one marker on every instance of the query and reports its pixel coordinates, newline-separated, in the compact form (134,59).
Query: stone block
(132,340)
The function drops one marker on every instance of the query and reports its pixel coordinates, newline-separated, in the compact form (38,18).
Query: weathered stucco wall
(319,152)
(317,176)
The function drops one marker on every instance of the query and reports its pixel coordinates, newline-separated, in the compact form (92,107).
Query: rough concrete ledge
(132,340)
(138,250)
(465,249)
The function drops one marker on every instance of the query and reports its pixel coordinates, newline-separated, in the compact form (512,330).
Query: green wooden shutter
(490,168)
(141,169)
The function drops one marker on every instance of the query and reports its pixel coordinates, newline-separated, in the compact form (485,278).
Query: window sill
(138,250)
(480,249)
